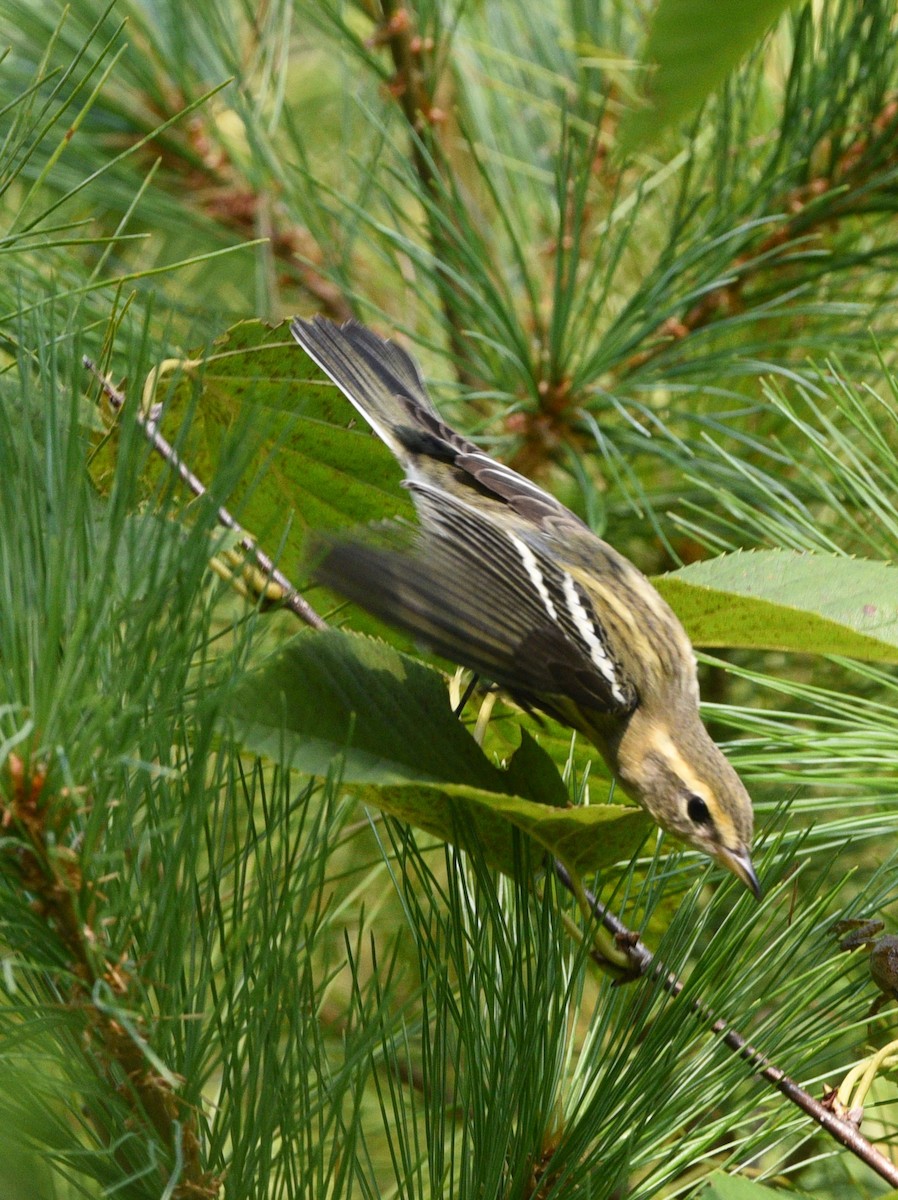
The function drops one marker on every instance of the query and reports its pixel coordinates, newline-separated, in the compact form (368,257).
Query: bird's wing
(482,595)
(478,582)
(385,386)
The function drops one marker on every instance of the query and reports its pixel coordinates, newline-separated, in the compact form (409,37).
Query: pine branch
(235,204)
(823,1112)
(409,86)
(860,180)
(93,986)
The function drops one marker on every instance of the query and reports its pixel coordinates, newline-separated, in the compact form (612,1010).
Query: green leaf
(737,1187)
(789,600)
(335,699)
(324,469)
(692,47)
(310,464)
(584,839)
(531,772)
(322,695)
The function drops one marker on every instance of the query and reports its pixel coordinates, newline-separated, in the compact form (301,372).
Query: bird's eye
(698,810)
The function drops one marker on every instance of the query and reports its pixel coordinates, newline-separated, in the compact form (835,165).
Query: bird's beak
(739,862)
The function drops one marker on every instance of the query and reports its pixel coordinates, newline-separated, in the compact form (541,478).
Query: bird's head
(681,777)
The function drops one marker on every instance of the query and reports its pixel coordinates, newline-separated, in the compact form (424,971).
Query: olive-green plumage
(502,578)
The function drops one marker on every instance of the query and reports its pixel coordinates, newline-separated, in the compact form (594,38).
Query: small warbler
(502,578)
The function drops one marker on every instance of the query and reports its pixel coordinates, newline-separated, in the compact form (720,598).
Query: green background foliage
(226,968)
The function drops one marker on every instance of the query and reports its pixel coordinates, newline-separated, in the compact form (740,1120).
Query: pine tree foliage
(223,977)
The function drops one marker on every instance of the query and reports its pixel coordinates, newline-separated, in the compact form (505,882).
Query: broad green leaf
(692,47)
(502,738)
(309,464)
(789,600)
(322,695)
(584,839)
(737,1187)
(385,721)
(531,772)
(323,467)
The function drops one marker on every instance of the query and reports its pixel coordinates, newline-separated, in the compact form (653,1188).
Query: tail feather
(377,376)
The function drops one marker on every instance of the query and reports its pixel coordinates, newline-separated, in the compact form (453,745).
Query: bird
(498,576)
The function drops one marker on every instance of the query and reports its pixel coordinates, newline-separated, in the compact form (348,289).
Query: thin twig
(292,599)
(644,963)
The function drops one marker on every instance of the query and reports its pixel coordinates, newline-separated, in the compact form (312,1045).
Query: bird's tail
(376,375)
